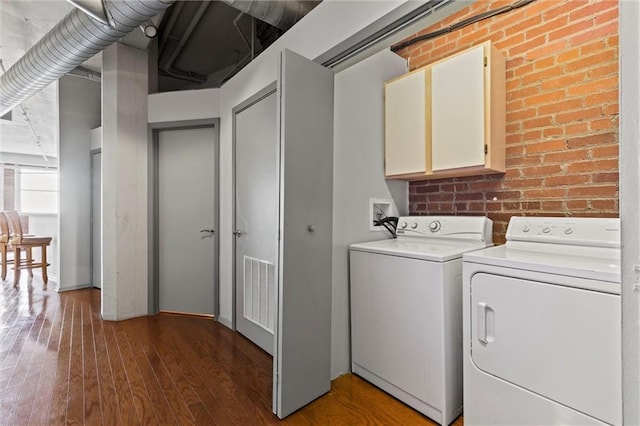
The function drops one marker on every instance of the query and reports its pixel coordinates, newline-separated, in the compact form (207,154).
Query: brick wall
(562,112)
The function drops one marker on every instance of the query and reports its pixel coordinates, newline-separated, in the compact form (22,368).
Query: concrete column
(124,183)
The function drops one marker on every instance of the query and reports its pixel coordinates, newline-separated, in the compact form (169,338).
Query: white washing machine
(406,330)
(542,325)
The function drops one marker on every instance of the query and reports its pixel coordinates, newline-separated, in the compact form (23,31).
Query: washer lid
(432,250)
(601,264)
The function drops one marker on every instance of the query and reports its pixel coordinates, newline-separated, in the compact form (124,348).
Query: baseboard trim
(75,287)
(225,321)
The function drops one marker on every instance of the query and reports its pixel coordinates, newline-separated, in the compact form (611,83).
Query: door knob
(210,231)
(237,233)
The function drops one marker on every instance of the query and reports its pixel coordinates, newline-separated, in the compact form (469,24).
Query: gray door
(303,333)
(256,218)
(96,218)
(187,215)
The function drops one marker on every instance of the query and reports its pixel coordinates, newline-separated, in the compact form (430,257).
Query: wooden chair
(18,241)
(4,242)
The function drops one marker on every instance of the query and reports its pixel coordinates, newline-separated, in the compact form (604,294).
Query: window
(38,190)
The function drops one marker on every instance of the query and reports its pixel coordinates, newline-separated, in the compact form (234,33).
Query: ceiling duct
(281,14)
(76,38)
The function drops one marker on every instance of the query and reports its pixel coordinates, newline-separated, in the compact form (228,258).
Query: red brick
(592,191)
(602,98)
(596,33)
(592,9)
(590,61)
(541,170)
(544,98)
(546,50)
(547,27)
(592,86)
(595,165)
(606,177)
(567,156)
(570,30)
(528,160)
(606,17)
(564,81)
(562,8)
(564,105)
(607,69)
(522,93)
(527,46)
(577,204)
(576,129)
(523,25)
(606,151)
(552,131)
(592,48)
(523,183)
(611,109)
(536,77)
(582,114)
(544,193)
(567,180)
(604,205)
(597,139)
(552,206)
(569,55)
(547,146)
(543,121)
(603,124)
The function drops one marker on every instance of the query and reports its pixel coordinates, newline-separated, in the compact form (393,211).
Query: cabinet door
(406,124)
(458,111)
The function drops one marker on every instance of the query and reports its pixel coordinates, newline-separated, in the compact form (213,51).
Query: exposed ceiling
(203,43)
(199,44)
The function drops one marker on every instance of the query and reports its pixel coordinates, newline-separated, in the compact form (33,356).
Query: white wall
(358,175)
(327,25)
(79,112)
(193,105)
(630,205)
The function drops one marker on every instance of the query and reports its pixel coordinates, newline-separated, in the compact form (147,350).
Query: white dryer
(406,330)
(542,325)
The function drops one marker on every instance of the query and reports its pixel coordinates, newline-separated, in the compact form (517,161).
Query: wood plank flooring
(61,364)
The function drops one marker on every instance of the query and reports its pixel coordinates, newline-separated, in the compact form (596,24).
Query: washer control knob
(414,225)
(525,229)
(434,226)
(546,230)
(403,225)
(568,231)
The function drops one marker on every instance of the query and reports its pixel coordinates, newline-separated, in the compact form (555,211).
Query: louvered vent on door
(259,292)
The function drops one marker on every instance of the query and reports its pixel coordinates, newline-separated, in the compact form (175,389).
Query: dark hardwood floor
(61,364)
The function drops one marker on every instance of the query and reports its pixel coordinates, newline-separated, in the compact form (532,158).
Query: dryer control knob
(525,229)
(403,225)
(546,230)
(434,226)
(568,231)
(414,225)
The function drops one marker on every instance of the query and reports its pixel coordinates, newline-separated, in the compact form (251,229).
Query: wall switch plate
(379,208)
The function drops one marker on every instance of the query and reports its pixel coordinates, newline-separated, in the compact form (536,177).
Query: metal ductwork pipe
(76,38)
(281,14)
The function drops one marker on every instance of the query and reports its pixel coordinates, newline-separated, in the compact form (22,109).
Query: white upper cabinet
(447,119)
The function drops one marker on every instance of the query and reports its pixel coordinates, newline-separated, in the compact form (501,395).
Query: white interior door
(256,218)
(187,216)
(96,219)
(303,334)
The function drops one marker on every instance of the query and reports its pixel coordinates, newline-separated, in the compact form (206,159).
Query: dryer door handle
(484,312)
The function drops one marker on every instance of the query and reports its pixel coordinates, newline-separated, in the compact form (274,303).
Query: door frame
(247,103)
(154,222)
(92,153)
